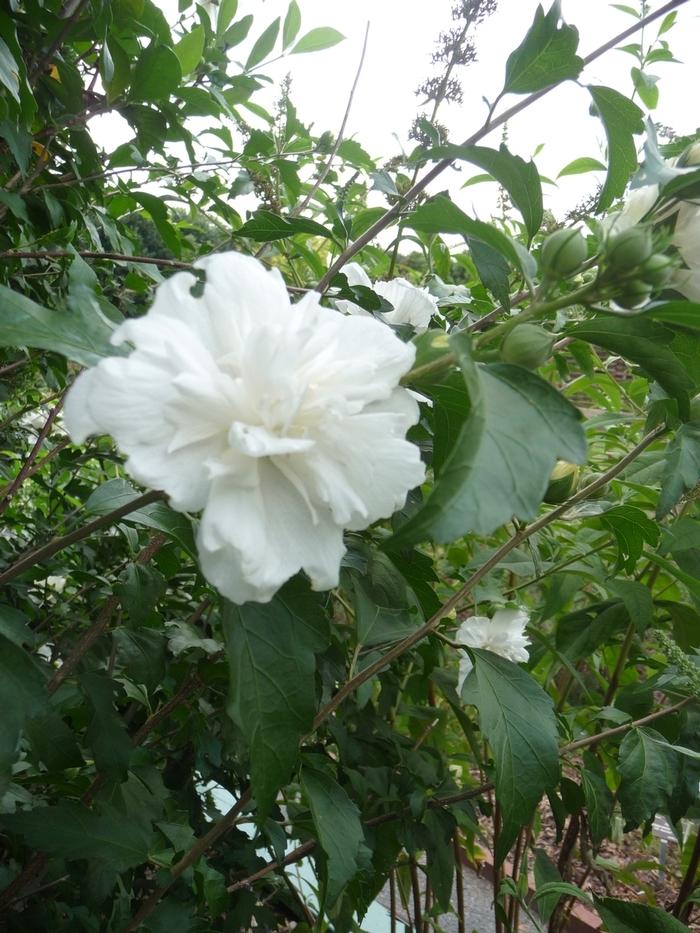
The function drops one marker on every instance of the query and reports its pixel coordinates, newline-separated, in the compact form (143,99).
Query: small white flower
(411,305)
(284,423)
(503,635)
(57,583)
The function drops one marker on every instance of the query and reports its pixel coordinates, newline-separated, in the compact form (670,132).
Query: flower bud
(563,252)
(527,345)
(657,270)
(562,482)
(590,477)
(629,249)
(689,156)
(634,295)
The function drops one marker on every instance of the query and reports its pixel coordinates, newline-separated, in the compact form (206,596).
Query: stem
(43,553)
(490,124)
(620,730)
(392,899)
(680,908)
(91,254)
(620,665)
(497,871)
(459,882)
(27,465)
(415,888)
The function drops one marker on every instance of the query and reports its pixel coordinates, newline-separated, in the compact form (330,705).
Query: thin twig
(29,462)
(92,254)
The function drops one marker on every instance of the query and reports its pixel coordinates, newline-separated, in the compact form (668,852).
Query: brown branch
(452,603)
(488,126)
(29,462)
(620,730)
(92,254)
(18,364)
(35,467)
(40,554)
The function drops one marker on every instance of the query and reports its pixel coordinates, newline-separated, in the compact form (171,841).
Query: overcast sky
(401,40)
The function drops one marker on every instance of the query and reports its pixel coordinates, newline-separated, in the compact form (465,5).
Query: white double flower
(504,635)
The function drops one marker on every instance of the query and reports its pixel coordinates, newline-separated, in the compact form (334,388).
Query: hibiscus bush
(341,529)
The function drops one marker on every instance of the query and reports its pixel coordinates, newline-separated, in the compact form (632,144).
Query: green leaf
(632,529)
(159,215)
(579,633)
(520,178)
(517,719)
(580,166)
(493,270)
(487,479)
(546,873)
(599,805)
(385,608)
(440,215)
(71,831)
(546,56)
(622,120)
(22,696)
(9,71)
(317,39)
(646,86)
(660,351)
(156,75)
(682,313)
(265,226)
(106,733)
(440,855)
(263,45)
(141,652)
(686,625)
(292,24)
(338,828)
(682,467)
(637,600)
(81,337)
(272,692)
(237,33)
(632,917)
(649,770)
(227,10)
(189,50)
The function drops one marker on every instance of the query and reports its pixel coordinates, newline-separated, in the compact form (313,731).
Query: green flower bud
(657,270)
(562,482)
(563,252)
(634,295)
(627,250)
(527,345)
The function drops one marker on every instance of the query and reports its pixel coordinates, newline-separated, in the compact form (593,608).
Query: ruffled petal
(414,306)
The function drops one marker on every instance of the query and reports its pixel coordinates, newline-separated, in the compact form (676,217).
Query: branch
(619,730)
(92,254)
(37,556)
(28,463)
(517,539)
(487,127)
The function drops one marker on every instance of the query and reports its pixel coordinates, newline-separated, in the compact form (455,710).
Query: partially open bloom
(503,635)
(411,305)
(284,423)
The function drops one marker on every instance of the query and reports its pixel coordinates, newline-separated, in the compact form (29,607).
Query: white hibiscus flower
(503,635)
(411,305)
(284,423)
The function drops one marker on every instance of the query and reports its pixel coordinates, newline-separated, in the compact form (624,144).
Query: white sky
(402,36)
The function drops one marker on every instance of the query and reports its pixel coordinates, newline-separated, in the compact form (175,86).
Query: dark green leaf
(338,828)
(159,215)
(649,769)
(53,742)
(546,56)
(599,805)
(440,855)
(156,75)
(272,692)
(486,480)
(520,178)
(106,734)
(81,337)
(682,467)
(622,120)
(631,917)
(22,695)
(317,39)
(580,633)
(682,313)
(545,873)
(637,600)
(492,268)
(517,719)
(632,529)
(141,653)
(265,226)
(71,831)
(385,608)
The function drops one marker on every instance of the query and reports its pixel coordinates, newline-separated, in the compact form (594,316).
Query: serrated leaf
(265,226)
(599,805)
(632,530)
(682,467)
(546,56)
(622,120)
(649,769)
(189,50)
(338,828)
(270,650)
(520,178)
(292,24)
(632,917)
(480,486)
(71,831)
(263,45)
(517,719)
(317,39)
(385,608)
